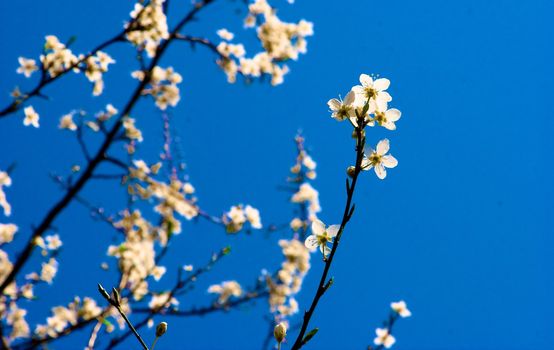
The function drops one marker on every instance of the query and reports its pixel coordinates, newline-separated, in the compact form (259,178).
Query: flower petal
(350,97)
(381,84)
(380,171)
(366,80)
(392,114)
(334,104)
(311,242)
(383,147)
(318,227)
(389,161)
(333,230)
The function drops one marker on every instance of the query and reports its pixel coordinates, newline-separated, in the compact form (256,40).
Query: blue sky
(461,229)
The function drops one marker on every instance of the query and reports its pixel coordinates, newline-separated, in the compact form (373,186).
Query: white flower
(379,160)
(253,216)
(31,117)
(343,109)
(66,122)
(321,236)
(225,34)
(400,308)
(7,231)
(384,338)
(225,290)
(387,118)
(26,66)
(372,90)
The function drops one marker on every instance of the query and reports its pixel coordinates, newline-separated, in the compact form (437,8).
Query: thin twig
(324,284)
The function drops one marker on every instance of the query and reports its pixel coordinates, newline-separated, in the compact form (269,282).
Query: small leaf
(226,250)
(310,335)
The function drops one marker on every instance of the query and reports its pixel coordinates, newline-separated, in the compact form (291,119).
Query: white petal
(381,84)
(389,161)
(334,104)
(392,114)
(380,171)
(325,250)
(333,230)
(389,341)
(383,147)
(311,242)
(318,227)
(358,89)
(389,126)
(350,97)
(366,80)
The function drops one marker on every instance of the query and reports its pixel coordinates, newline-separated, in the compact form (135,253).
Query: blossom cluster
(238,215)
(305,195)
(288,280)
(66,316)
(58,58)
(280,40)
(162,86)
(226,290)
(367,105)
(5,181)
(10,310)
(384,337)
(148,26)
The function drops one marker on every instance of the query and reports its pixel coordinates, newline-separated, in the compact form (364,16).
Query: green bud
(280,332)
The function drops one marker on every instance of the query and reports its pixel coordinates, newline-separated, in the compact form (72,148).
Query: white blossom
(384,338)
(31,117)
(379,159)
(401,308)
(321,235)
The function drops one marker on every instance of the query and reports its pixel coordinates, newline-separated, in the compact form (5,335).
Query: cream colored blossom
(162,86)
(401,308)
(379,159)
(5,181)
(226,290)
(31,117)
(149,27)
(373,91)
(387,118)
(384,338)
(57,58)
(253,216)
(306,193)
(321,235)
(49,271)
(66,122)
(225,34)
(16,319)
(26,66)
(131,131)
(162,300)
(343,109)
(7,231)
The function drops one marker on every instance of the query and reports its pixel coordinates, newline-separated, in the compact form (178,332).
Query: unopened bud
(351,170)
(280,332)
(161,329)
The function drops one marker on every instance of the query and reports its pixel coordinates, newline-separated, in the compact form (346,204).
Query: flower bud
(161,329)
(351,170)
(280,332)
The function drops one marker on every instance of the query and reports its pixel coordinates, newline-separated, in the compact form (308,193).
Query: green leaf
(310,335)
